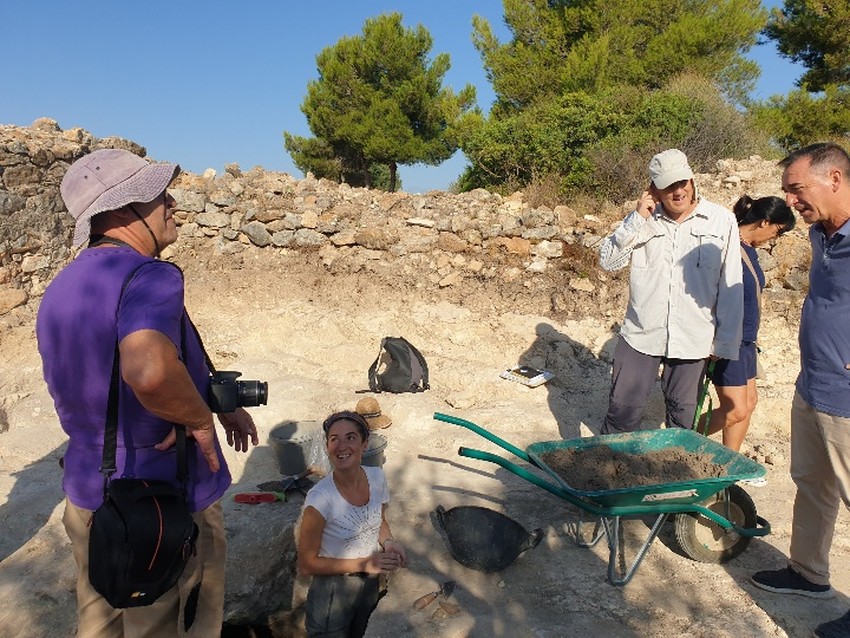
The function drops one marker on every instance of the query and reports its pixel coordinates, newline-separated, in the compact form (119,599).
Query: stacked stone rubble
(442,238)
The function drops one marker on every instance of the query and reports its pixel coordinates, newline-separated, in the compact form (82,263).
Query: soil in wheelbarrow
(601,468)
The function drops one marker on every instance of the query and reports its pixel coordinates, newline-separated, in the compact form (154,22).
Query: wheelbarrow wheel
(707,542)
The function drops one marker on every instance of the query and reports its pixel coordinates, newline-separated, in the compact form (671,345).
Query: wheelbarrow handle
(762,528)
(469,425)
(532,478)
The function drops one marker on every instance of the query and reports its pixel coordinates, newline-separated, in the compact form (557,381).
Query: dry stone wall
(442,239)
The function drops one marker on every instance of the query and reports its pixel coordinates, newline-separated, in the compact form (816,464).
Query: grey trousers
(340,606)
(632,379)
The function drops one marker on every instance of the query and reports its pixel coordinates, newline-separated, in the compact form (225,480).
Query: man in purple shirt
(121,206)
(816,182)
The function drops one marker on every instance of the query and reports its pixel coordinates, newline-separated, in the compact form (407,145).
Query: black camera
(227,394)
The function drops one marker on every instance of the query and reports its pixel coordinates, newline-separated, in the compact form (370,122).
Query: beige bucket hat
(370,409)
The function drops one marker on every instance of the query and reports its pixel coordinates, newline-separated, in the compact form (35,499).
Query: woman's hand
(386,561)
(392,546)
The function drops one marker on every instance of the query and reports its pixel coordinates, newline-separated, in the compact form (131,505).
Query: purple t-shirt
(77,329)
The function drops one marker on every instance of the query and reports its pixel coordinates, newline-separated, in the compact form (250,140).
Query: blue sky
(209,83)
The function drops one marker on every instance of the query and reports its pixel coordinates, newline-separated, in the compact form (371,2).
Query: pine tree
(815,34)
(379,101)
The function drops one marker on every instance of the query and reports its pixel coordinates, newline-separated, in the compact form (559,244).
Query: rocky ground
(311,333)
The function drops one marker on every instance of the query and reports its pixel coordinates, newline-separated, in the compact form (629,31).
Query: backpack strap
(421,360)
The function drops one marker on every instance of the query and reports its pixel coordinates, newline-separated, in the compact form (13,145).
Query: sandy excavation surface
(280,317)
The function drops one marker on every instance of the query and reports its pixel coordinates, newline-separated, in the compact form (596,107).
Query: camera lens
(252,393)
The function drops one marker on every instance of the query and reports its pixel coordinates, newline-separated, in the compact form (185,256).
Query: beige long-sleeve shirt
(685,292)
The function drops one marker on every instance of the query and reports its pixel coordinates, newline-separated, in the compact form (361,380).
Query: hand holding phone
(646,204)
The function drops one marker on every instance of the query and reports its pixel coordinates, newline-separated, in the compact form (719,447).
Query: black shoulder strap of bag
(110,432)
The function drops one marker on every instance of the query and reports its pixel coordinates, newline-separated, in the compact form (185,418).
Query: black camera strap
(110,432)
(200,341)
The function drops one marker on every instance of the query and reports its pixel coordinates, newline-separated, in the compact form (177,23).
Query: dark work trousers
(340,606)
(632,379)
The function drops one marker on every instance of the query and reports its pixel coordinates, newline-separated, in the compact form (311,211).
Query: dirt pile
(602,468)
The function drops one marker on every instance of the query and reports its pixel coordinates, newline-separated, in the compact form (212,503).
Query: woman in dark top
(759,221)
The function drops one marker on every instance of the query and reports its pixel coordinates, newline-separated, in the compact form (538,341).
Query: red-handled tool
(252,498)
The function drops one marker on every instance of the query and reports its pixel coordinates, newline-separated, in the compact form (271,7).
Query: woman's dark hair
(772,209)
(347,415)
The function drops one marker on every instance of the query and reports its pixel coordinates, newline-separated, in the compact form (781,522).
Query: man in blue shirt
(816,182)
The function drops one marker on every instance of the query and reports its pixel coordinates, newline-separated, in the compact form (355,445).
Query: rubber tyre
(707,542)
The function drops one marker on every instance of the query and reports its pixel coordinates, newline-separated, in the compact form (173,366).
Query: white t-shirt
(350,531)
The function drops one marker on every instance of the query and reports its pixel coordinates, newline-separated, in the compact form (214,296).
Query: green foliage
(378,101)
(316,156)
(815,34)
(593,45)
(689,114)
(588,90)
(545,138)
(802,118)
(600,144)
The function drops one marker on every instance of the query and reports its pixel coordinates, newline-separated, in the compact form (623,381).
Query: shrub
(689,114)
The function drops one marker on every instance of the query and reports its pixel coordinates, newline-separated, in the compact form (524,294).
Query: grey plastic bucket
(374,454)
(291,442)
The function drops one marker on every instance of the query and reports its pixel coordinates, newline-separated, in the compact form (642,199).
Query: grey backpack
(399,367)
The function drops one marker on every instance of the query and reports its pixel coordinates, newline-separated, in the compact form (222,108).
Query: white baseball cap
(669,167)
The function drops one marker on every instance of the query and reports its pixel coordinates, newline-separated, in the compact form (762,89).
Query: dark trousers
(632,379)
(340,606)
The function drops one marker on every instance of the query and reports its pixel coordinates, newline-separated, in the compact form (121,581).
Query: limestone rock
(11,298)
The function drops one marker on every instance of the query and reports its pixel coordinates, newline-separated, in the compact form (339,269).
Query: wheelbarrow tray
(737,467)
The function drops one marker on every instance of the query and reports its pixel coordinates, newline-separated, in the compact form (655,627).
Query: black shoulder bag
(143,534)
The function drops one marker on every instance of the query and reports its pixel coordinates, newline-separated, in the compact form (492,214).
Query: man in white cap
(685,295)
(117,292)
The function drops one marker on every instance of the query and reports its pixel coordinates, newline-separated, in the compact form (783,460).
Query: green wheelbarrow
(715,520)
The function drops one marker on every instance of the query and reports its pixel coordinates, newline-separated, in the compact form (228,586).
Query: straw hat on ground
(369,409)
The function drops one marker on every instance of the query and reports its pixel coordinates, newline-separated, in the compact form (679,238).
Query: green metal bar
(703,394)
(557,490)
(469,425)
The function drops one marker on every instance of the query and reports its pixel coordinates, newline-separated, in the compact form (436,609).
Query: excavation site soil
(286,317)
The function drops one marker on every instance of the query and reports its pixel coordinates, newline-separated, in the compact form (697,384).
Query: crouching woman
(345,542)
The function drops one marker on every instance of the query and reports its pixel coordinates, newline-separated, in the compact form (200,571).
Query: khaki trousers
(820,466)
(164,618)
